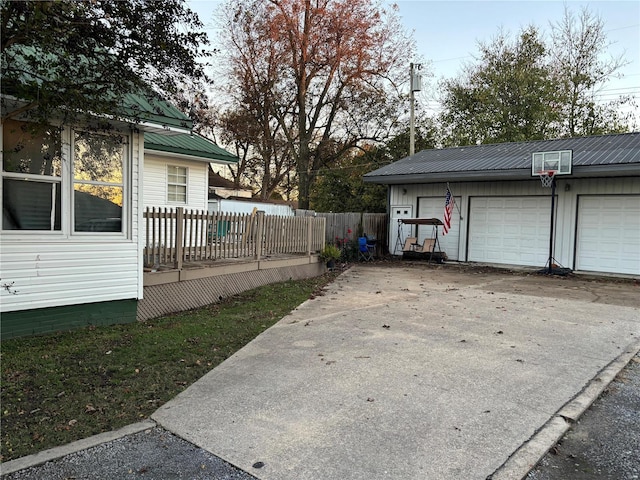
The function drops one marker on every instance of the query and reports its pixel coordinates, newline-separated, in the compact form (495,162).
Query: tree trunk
(303,174)
(265,191)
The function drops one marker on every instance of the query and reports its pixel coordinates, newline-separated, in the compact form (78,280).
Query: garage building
(502,213)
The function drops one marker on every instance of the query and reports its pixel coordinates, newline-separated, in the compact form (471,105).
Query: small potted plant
(330,254)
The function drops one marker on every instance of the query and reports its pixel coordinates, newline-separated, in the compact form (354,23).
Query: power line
(619,88)
(325,170)
(451,59)
(622,28)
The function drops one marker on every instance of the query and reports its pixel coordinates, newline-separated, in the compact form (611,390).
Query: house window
(98,182)
(176,184)
(31,176)
(41,191)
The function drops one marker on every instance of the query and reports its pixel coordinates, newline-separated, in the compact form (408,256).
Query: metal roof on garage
(606,155)
(196,146)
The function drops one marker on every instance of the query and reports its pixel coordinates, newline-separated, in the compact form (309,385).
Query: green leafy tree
(534,88)
(505,97)
(340,188)
(582,67)
(65,59)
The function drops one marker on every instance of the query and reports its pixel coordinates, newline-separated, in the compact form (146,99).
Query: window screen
(31,176)
(98,182)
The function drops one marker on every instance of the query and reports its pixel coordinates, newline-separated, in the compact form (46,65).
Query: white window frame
(66,184)
(126,203)
(185,185)
(50,179)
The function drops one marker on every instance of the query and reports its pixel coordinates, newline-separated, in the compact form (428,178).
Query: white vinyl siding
(410,193)
(509,230)
(227,205)
(51,271)
(608,236)
(155,182)
(433,207)
(136,222)
(64,273)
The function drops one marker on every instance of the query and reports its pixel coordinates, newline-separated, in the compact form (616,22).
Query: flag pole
(454,203)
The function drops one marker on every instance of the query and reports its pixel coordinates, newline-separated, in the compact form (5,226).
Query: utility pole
(415,85)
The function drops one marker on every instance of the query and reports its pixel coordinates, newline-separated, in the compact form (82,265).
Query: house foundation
(176,291)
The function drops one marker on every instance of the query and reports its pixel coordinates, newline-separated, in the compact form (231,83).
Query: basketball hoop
(546,177)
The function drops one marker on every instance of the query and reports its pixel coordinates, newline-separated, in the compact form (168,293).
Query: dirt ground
(607,290)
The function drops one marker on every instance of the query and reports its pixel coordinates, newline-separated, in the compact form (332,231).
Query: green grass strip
(66,386)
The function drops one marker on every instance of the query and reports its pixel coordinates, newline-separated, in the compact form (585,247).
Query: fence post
(147,253)
(309,235)
(179,239)
(259,233)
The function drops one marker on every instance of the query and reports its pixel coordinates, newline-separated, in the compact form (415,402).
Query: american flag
(448,209)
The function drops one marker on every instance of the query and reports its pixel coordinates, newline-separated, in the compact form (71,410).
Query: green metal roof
(191,145)
(145,107)
(151,108)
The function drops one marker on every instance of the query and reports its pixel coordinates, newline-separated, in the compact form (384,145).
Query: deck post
(259,233)
(179,237)
(309,235)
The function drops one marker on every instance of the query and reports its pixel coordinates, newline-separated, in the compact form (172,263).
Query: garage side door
(608,237)
(509,230)
(398,232)
(433,207)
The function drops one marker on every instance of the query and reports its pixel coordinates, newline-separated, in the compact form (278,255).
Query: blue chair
(365,250)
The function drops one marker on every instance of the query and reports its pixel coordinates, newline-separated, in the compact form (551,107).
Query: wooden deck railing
(210,236)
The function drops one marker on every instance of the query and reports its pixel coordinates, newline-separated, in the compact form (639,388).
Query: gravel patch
(152,454)
(604,444)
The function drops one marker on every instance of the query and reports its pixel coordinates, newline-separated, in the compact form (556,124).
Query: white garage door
(510,230)
(608,237)
(433,207)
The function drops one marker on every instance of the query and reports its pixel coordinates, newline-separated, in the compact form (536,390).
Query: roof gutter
(448,176)
(160,128)
(165,152)
(578,171)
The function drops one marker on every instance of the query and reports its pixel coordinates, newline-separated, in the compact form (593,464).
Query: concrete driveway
(408,372)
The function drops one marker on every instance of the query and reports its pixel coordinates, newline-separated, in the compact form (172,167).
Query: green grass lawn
(66,386)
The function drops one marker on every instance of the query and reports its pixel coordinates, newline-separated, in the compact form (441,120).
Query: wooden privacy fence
(372,224)
(209,236)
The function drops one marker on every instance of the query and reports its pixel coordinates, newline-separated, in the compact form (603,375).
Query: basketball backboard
(559,161)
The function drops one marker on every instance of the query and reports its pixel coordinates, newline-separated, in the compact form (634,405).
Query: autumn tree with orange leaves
(315,79)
